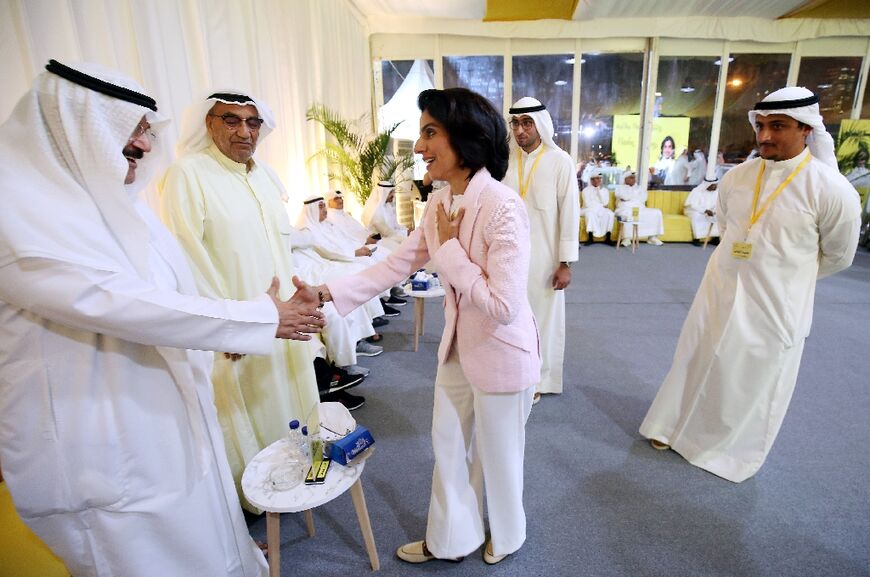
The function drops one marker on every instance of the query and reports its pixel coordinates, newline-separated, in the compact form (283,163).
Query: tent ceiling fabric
(516,10)
(601,9)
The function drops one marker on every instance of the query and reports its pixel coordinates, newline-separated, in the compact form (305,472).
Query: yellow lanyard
(524,186)
(756,213)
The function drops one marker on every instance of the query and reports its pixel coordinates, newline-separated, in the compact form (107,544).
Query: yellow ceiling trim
(513,10)
(831,9)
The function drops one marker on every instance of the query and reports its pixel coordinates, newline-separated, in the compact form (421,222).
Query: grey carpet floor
(599,500)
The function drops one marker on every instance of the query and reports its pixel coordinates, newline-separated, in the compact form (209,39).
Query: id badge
(741,250)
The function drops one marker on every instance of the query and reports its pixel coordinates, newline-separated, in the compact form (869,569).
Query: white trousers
(479,441)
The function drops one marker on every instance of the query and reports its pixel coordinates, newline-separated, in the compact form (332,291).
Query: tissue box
(351,446)
(419,285)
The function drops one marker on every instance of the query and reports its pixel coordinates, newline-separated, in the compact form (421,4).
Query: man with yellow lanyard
(786,219)
(543,175)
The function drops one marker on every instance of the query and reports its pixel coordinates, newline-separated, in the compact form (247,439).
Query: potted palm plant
(357,160)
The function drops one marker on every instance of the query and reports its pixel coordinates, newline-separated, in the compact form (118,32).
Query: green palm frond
(355,160)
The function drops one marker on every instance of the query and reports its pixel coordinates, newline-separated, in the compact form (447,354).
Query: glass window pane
(550,79)
(393,73)
(835,80)
(865,107)
(610,111)
(482,74)
(685,98)
(751,77)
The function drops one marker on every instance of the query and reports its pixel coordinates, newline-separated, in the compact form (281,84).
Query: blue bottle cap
(294,424)
(304,430)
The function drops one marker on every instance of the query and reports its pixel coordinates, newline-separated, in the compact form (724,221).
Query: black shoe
(331,379)
(388,310)
(396,301)
(589,240)
(696,242)
(379,322)
(351,402)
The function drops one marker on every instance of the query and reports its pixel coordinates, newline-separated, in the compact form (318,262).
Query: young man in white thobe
(629,196)
(109,440)
(544,177)
(700,207)
(225,209)
(599,218)
(787,219)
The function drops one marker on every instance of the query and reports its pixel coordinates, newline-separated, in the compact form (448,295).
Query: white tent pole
(718,107)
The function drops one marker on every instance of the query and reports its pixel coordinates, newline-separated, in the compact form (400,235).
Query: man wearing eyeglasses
(109,441)
(543,175)
(225,208)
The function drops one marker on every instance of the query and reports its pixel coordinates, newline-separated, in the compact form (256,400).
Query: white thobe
(553,204)
(233,226)
(650,220)
(109,440)
(385,223)
(698,202)
(724,399)
(679,172)
(599,218)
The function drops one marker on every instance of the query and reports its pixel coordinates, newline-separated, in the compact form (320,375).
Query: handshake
(300,316)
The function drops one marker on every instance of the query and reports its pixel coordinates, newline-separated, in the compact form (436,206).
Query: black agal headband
(101,86)
(527,109)
(786,104)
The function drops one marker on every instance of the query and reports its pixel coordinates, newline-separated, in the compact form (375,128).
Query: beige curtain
(291,53)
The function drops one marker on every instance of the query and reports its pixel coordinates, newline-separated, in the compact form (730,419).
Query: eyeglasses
(141,130)
(526,123)
(233,122)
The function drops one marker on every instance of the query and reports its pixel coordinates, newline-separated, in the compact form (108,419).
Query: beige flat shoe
(489,558)
(536,399)
(417,552)
(658,445)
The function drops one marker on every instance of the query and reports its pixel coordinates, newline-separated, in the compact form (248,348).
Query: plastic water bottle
(434,281)
(294,443)
(305,447)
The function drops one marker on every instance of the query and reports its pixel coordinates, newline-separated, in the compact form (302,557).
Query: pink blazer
(485,275)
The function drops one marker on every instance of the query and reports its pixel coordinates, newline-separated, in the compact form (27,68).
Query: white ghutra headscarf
(533,108)
(802,105)
(194,134)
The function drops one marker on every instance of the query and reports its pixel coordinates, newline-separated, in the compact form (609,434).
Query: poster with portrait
(853,153)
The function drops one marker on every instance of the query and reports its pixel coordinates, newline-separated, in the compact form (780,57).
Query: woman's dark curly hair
(476,131)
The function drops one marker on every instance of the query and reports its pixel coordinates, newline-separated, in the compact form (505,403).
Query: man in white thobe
(543,175)
(225,209)
(650,222)
(379,216)
(787,219)
(350,226)
(700,207)
(109,440)
(596,198)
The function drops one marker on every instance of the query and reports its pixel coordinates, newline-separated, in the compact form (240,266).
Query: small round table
(419,308)
(620,225)
(256,486)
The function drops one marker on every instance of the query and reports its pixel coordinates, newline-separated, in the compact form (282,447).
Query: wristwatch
(568,264)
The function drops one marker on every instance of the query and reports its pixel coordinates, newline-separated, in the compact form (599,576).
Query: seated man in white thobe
(599,218)
(650,221)
(109,439)
(701,209)
(379,216)
(352,229)
(224,206)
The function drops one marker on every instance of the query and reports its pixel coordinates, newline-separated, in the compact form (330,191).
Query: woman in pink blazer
(476,235)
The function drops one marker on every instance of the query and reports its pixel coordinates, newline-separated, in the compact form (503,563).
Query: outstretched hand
(300,316)
(448,227)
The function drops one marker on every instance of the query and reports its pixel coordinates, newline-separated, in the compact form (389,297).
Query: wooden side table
(419,308)
(258,490)
(620,225)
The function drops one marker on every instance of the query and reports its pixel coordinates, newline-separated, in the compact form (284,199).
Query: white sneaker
(654,240)
(356,370)
(626,242)
(366,349)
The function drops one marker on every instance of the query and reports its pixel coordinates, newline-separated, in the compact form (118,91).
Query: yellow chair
(678,226)
(22,553)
